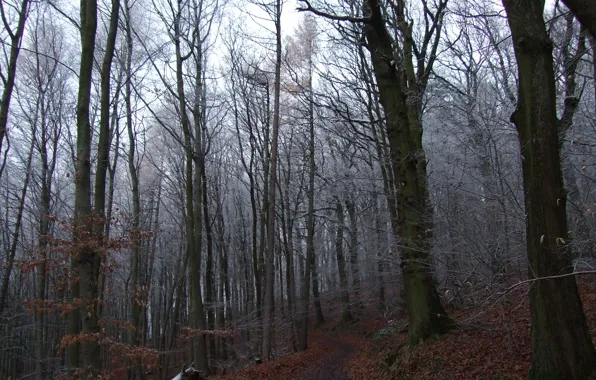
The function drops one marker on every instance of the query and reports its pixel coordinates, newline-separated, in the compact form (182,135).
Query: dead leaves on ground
(492,342)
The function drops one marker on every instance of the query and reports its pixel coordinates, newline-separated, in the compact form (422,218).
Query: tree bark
(561,344)
(86,259)
(401,92)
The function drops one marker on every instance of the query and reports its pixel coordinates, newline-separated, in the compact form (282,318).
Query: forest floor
(492,342)
(328,357)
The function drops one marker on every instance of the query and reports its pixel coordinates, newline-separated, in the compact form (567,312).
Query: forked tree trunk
(194,226)
(561,344)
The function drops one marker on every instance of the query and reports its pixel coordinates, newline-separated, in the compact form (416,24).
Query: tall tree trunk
(401,93)
(310,226)
(48,165)
(269,269)
(86,260)
(194,222)
(136,299)
(208,267)
(561,344)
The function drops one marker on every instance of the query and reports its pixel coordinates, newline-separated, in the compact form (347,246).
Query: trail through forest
(333,365)
(329,357)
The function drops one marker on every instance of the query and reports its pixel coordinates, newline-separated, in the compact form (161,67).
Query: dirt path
(328,358)
(333,365)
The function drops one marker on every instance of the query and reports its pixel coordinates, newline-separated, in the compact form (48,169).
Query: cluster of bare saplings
(203,181)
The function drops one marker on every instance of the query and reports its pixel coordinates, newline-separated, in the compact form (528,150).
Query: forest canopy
(207,181)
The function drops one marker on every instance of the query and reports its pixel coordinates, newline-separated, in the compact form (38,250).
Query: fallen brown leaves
(493,342)
(282,368)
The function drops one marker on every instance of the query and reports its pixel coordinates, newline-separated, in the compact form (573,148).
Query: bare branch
(309,8)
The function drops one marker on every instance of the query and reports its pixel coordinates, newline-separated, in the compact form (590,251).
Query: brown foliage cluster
(189,333)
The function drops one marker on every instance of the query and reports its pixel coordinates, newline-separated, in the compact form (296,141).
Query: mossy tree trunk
(561,344)
(401,89)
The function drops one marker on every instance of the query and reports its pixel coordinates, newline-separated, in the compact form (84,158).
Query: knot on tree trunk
(534,45)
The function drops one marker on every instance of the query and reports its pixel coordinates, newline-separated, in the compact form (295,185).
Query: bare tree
(15,35)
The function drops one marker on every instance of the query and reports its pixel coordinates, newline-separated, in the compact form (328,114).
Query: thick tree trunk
(412,219)
(561,344)
(86,260)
